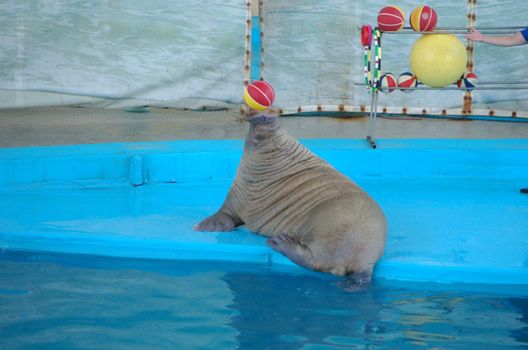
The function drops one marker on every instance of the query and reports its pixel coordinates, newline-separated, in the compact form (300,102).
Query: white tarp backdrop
(191,54)
(183,53)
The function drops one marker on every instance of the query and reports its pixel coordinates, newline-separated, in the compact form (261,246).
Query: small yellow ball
(438,60)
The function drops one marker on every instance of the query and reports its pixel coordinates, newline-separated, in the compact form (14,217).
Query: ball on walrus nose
(259,95)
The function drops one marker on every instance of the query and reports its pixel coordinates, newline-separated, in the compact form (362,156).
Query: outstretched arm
(503,40)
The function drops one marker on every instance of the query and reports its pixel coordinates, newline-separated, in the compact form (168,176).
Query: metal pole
(511,86)
(375,118)
(504,82)
(371,114)
(454,31)
(519,87)
(480,28)
(465,27)
(461,30)
(371,137)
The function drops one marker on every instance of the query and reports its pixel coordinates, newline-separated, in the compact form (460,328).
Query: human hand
(474,35)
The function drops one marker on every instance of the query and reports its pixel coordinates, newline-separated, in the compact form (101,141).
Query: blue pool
(69,302)
(98,248)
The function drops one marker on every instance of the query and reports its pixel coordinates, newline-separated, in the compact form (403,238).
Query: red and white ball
(387,83)
(391,19)
(406,81)
(423,19)
(259,95)
(468,81)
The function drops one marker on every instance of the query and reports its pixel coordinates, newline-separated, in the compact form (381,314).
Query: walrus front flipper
(298,253)
(363,277)
(359,281)
(225,219)
(219,221)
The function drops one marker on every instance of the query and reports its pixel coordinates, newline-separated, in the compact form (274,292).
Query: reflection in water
(521,334)
(280,311)
(68,302)
(283,312)
(52,301)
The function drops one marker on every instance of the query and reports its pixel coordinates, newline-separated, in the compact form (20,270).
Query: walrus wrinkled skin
(311,213)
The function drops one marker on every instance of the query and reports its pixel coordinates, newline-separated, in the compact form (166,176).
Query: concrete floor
(67,125)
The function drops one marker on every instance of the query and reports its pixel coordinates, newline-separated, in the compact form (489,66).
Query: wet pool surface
(50,301)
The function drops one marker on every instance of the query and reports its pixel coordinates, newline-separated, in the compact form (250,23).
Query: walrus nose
(250,113)
(267,116)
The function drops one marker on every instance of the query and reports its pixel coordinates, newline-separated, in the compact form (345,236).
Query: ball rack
(372,78)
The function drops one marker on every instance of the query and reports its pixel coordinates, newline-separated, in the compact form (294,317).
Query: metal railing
(489,85)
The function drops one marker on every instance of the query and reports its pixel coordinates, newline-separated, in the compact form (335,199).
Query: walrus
(314,215)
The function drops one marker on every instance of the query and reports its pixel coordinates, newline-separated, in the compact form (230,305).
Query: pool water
(52,301)
(457,238)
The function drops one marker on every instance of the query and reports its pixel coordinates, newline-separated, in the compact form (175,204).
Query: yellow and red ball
(259,95)
(423,19)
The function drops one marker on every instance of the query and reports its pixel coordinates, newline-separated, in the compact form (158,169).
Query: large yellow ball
(438,60)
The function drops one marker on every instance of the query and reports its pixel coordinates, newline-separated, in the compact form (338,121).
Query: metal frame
(495,85)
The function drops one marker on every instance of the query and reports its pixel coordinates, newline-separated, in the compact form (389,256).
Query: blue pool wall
(454,209)
(204,160)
